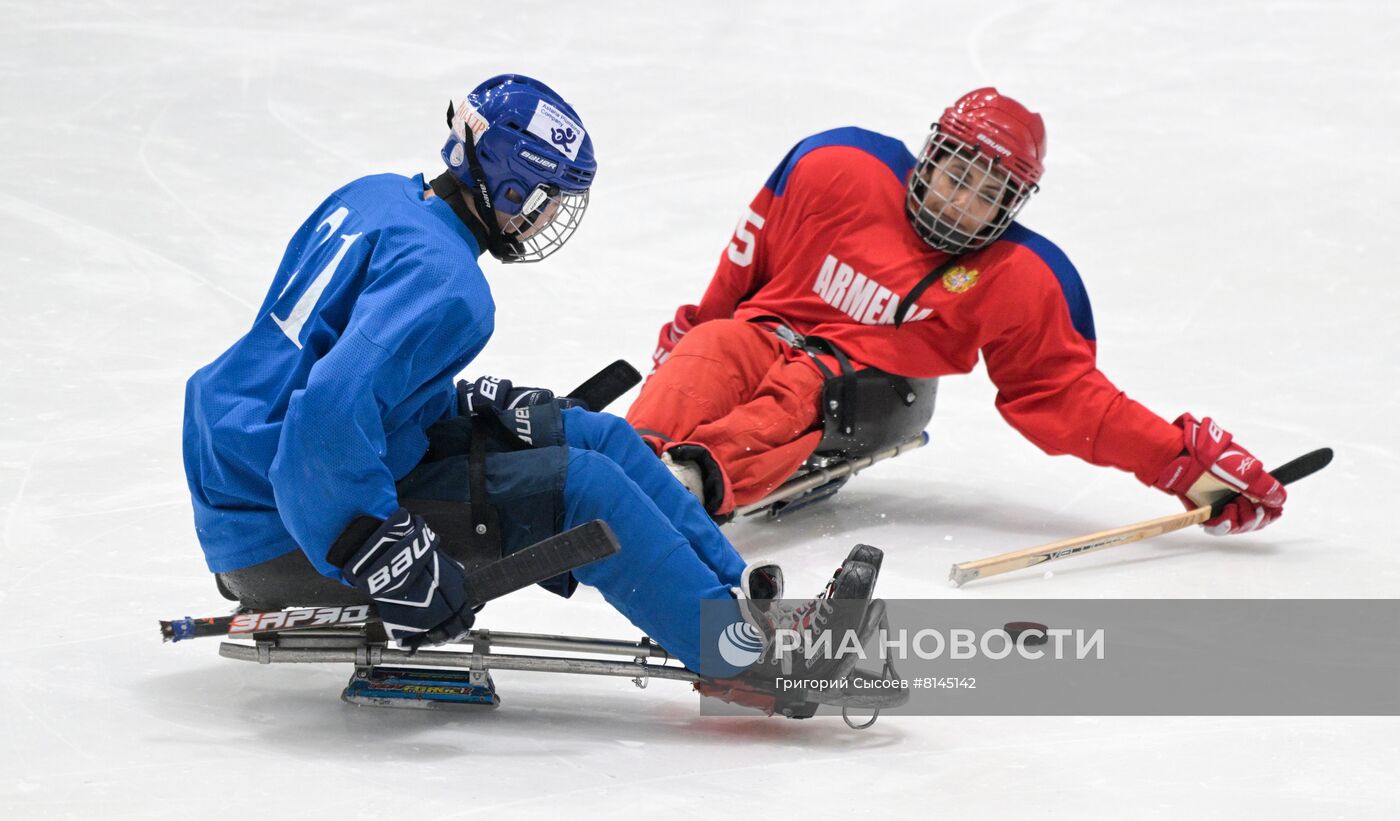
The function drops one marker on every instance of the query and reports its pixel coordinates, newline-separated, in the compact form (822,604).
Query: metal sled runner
(820,478)
(387,677)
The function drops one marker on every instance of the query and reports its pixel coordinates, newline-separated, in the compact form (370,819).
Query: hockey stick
(540,561)
(1305,465)
(605,386)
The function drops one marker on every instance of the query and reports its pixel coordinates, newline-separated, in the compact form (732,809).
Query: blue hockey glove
(488,392)
(421,594)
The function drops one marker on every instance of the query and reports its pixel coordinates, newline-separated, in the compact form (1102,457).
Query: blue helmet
(534,157)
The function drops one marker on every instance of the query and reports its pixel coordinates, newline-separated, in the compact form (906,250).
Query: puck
(1016,628)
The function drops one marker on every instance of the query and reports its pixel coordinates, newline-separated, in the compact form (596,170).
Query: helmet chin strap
(450,190)
(487,231)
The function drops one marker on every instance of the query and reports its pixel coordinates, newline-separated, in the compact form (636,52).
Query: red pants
(738,391)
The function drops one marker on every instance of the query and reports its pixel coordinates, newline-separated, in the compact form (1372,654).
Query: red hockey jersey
(827,247)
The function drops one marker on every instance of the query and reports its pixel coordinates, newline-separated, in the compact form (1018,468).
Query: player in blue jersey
(328,449)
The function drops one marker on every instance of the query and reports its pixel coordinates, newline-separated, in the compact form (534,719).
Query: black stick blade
(1287,473)
(544,560)
(605,386)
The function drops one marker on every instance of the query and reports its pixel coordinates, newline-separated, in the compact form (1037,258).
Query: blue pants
(673,555)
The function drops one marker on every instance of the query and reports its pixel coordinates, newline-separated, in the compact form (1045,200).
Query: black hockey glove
(488,392)
(420,592)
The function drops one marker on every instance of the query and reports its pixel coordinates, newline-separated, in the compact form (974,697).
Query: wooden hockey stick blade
(1305,465)
(539,562)
(604,387)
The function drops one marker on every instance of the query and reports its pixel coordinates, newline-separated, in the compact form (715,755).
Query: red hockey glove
(1210,466)
(672,332)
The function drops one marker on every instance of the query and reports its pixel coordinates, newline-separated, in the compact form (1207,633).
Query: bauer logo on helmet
(543,162)
(994,145)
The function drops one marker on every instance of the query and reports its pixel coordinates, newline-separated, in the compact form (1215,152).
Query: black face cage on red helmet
(937,219)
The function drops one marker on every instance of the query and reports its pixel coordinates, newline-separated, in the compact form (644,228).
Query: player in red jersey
(913,267)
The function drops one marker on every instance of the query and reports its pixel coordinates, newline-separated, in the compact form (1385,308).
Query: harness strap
(486,520)
(656,434)
(846,413)
(906,303)
(812,345)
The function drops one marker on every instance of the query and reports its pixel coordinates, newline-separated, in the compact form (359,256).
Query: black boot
(815,639)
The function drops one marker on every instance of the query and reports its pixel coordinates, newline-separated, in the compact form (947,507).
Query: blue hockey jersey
(306,422)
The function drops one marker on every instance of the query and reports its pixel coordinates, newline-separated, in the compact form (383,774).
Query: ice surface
(1224,176)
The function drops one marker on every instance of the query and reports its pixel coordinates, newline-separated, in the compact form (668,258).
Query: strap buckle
(791,337)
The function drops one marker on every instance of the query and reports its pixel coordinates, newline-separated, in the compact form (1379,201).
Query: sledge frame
(367,650)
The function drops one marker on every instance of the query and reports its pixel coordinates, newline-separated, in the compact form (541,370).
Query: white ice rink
(1224,175)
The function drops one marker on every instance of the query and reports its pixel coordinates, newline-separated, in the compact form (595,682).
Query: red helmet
(979,165)
(1001,128)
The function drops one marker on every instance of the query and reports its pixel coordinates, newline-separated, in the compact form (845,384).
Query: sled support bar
(374,655)
(793,488)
